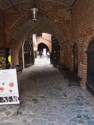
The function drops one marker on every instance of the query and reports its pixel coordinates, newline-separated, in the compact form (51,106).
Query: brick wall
(83,32)
(2,30)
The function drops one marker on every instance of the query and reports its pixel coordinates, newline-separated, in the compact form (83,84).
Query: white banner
(8,87)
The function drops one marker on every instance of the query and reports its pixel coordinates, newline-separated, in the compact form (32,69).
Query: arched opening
(38,29)
(75,58)
(29,50)
(44,45)
(90,65)
(42,49)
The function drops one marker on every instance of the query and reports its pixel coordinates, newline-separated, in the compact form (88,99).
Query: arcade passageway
(46,99)
(62,29)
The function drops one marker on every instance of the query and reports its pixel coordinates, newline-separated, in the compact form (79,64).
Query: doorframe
(89,51)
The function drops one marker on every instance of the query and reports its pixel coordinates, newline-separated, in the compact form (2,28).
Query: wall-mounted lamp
(34,11)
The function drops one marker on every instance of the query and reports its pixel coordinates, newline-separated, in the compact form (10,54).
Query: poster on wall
(8,87)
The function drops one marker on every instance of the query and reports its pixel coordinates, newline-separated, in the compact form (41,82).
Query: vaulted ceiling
(54,18)
(5,4)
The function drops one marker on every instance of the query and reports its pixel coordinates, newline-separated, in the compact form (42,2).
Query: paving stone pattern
(46,99)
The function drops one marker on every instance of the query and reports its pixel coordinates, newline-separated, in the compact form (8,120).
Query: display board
(8,87)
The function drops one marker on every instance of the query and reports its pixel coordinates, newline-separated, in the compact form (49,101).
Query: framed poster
(8,87)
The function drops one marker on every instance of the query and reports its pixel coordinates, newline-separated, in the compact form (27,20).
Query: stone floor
(46,99)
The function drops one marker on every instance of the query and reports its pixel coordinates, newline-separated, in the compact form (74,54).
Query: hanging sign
(8,87)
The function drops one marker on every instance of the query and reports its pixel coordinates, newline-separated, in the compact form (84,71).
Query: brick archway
(21,26)
(84,61)
(19,40)
(46,42)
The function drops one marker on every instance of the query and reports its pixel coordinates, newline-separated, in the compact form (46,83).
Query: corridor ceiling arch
(42,46)
(15,20)
(30,28)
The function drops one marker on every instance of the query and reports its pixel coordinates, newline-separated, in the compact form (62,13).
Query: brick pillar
(15,58)
(84,71)
(72,61)
(61,56)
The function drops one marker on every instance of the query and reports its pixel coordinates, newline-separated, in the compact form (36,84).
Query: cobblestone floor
(46,99)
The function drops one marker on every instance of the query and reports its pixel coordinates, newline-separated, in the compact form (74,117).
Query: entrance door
(55,55)
(43,49)
(28,53)
(75,58)
(90,65)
